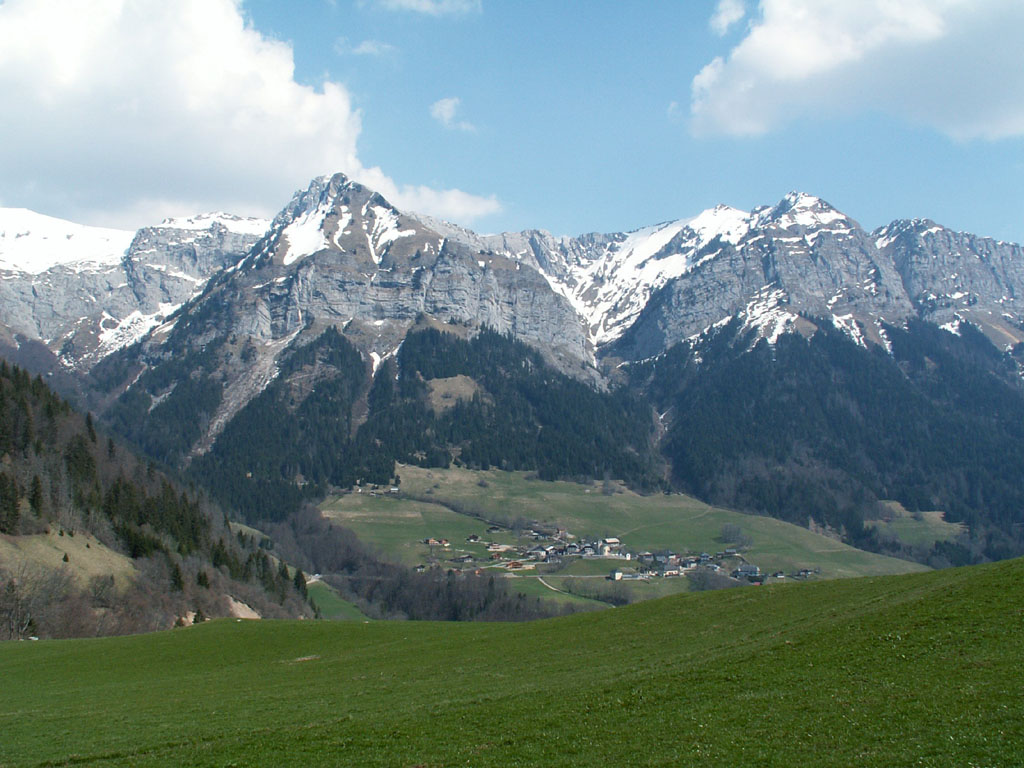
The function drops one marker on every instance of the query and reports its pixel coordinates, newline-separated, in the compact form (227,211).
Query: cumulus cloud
(445,111)
(449,204)
(121,113)
(433,7)
(727,13)
(955,65)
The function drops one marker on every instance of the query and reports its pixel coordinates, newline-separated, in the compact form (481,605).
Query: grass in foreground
(917,670)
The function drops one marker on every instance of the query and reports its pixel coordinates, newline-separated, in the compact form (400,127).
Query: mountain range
(173,332)
(85,292)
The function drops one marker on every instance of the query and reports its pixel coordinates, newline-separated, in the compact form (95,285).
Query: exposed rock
(340,255)
(84,310)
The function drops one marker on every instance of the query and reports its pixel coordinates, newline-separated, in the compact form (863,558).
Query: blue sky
(565,116)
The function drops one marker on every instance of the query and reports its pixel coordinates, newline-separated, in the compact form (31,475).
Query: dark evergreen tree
(177,580)
(300,583)
(35,498)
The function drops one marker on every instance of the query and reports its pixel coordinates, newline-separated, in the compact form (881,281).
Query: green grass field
(397,527)
(332,606)
(921,529)
(917,670)
(654,522)
(531,586)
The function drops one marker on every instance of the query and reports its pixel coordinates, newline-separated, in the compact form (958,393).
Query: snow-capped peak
(242,225)
(612,289)
(337,214)
(32,242)
(724,221)
(798,209)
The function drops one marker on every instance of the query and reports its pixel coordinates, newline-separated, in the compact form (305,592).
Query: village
(552,550)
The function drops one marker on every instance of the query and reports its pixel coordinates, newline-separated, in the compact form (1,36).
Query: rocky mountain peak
(84,292)
(801,211)
(340,216)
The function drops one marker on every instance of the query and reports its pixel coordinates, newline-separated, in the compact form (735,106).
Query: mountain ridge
(800,255)
(342,273)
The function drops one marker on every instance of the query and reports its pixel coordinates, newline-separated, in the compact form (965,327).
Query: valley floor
(472,520)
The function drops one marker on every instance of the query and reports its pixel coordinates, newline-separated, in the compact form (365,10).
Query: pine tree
(177,580)
(9,513)
(35,498)
(300,583)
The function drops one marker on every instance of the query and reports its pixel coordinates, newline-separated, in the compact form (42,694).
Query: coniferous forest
(822,429)
(298,437)
(59,475)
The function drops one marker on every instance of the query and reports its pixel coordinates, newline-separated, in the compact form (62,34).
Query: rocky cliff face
(954,276)
(340,255)
(643,291)
(84,308)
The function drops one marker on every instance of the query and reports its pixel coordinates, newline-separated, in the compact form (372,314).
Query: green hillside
(95,540)
(921,670)
(656,522)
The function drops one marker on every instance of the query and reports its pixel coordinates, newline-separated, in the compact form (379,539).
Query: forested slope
(60,477)
(821,428)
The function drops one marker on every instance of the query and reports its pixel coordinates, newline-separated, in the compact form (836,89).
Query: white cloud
(445,112)
(373,48)
(121,113)
(955,65)
(376,48)
(433,7)
(449,204)
(727,13)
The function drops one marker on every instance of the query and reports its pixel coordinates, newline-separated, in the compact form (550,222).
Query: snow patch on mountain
(305,235)
(767,313)
(730,224)
(130,329)
(242,225)
(612,289)
(385,226)
(798,209)
(33,243)
(953,326)
(849,325)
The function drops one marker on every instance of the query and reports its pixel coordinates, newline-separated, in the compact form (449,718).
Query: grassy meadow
(397,526)
(87,557)
(916,529)
(921,670)
(332,606)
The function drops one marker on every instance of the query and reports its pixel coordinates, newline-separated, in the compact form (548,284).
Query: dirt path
(553,589)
